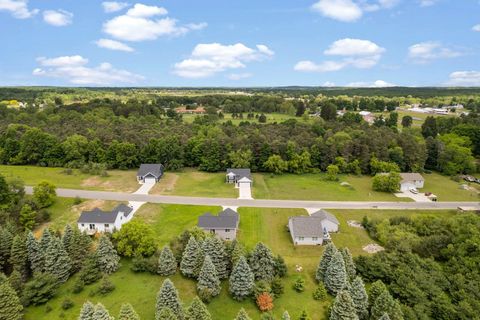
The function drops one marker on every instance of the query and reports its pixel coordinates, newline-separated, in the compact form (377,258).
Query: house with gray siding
(224,225)
(313,229)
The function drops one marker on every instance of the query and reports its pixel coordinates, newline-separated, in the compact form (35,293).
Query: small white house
(239,177)
(313,229)
(329,221)
(97,220)
(149,172)
(411,180)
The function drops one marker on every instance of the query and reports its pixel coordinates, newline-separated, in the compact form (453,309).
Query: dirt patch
(355,224)
(91,182)
(88,205)
(166,184)
(373,248)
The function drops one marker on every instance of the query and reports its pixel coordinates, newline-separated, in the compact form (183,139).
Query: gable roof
(241,173)
(304,226)
(99,216)
(325,215)
(227,219)
(155,169)
(123,208)
(408,177)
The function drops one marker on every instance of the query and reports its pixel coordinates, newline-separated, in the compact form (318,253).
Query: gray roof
(100,216)
(155,169)
(241,173)
(304,226)
(407,177)
(227,219)
(325,215)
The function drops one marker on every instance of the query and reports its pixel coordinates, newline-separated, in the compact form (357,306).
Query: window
(314,238)
(227,230)
(301,238)
(83,225)
(107,225)
(91,226)
(212,231)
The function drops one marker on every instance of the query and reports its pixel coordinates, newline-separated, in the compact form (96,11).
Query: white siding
(307,241)
(329,225)
(224,234)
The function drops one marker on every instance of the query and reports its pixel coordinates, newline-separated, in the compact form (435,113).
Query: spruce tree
(384,317)
(208,279)
(79,249)
(335,278)
(167,297)
(101,313)
(262,263)
(57,261)
(349,264)
(107,257)
(86,313)
(343,307)
(327,255)
(360,297)
(128,313)
(215,248)
(167,264)
(197,311)
(10,306)
(6,239)
(68,239)
(242,315)
(45,239)
(304,316)
(19,255)
(27,217)
(165,313)
(285,315)
(191,259)
(16,281)
(385,303)
(35,254)
(376,289)
(241,280)
(238,251)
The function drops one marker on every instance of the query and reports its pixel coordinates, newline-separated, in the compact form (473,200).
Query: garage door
(150,180)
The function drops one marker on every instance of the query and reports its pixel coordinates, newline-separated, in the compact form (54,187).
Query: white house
(224,225)
(329,222)
(411,180)
(149,172)
(97,220)
(313,229)
(239,177)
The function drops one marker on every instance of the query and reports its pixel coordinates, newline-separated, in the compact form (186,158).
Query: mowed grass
(271,117)
(117,180)
(448,190)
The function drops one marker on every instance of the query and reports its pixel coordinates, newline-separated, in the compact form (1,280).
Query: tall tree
(101,313)
(10,306)
(165,313)
(19,255)
(57,261)
(360,297)
(128,313)
(215,248)
(167,297)
(35,254)
(327,256)
(242,280)
(44,194)
(86,313)
(385,303)
(45,239)
(167,265)
(191,259)
(242,315)
(407,121)
(376,289)
(6,239)
(68,239)
(328,111)
(16,280)
(107,257)
(429,127)
(79,249)
(349,264)
(262,262)
(336,277)
(343,307)
(27,217)
(197,311)
(208,280)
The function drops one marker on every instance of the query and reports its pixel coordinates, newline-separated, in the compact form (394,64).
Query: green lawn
(271,117)
(448,190)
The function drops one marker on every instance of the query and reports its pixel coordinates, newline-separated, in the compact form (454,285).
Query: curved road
(259,203)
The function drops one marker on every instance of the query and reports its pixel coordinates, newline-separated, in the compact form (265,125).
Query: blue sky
(240,43)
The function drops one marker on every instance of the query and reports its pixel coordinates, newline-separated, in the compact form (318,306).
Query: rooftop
(407,176)
(99,216)
(155,169)
(241,173)
(227,219)
(305,226)
(325,215)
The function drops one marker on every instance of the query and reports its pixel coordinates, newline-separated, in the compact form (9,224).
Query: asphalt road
(120,196)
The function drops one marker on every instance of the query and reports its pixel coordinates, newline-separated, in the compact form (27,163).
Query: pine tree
(238,251)
(167,264)
(360,297)
(57,261)
(242,315)
(208,279)
(127,313)
(167,297)
(10,306)
(384,317)
(27,217)
(19,255)
(304,316)
(35,254)
(165,313)
(241,280)
(191,259)
(107,257)
(343,307)
(335,277)
(376,289)
(385,303)
(327,255)
(68,239)
(262,262)
(101,313)
(280,267)
(45,239)
(215,248)
(16,281)
(90,271)
(285,315)
(197,311)
(349,264)
(79,249)
(86,313)
(6,239)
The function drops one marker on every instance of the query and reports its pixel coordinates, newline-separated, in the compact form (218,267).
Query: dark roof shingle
(99,216)
(227,219)
(241,173)
(156,169)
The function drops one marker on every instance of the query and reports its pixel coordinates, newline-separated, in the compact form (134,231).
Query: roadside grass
(448,190)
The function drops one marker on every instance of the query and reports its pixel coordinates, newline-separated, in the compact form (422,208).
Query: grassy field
(118,180)
(418,118)
(448,190)
(271,117)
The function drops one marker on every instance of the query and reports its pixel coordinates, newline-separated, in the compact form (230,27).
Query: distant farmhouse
(313,229)
(411,180)
(239,177)
(224,225)
(97,220)
(150,172)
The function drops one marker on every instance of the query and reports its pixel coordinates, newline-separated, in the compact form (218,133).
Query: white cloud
(476,28)
(425,52)
(427,3)
(57,18)
(239,76)
(113,6)
(142,23)
(74,69)
(375,84)
(17,8)
(342,10)
(464,79)
(113,45)
(328,84)
(357,53)
(211,58)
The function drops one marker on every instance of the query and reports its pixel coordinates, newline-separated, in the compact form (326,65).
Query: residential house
(313,229)
(224,225)
(98,220)
(411,180)
(239,177)
(150,172)
(329,221)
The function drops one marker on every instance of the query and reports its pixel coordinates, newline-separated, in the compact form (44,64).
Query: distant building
(239,177)
(150,172)
(411,180)
(313,229)
(224,225)
(97,220)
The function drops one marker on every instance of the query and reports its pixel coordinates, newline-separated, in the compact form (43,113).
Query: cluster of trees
(90,311)
(430,264)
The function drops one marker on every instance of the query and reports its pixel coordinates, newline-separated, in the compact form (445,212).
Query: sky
(236,43)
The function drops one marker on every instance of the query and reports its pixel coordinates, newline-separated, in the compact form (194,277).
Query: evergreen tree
(360,297)
(238,250)
(35,254)
(86,313)
(167,297)
(165,313)
(280,267)
(335,277)
(19,255)
(79,249)
(349,264)
(101,313)
(191,259)
(285,315)
(45,239)
(167,265)
(40,289)
(215,248)
(262,263)
(385,303)
(90,272)
(27,217)
(57,261)
(242,315)
(16,281)
(327,255)
(343,307)
(241,280)
(10,306)
(304,316)
(197,311)
(127,313)
(208,279)
(107,257)
(6,239)
(68,239)
(384,317)
(376,289)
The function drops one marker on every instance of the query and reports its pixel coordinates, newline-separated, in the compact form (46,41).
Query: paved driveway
(145,187)
(245,191)
(419,197)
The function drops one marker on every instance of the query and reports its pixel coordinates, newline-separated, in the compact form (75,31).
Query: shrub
(67,304)
(265,302)
(78,286)
(320,293)
(205,295)
(299,284)
(106,286)
(142,264)
(260,287)
(277,287)
(77,200)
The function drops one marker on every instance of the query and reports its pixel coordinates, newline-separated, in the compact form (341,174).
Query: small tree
(242,315)
(280,267)
(215,248)
(241,280)
(320,293)
(265,302)
(262,263)
(335,277)
(208,280)
(165,313)
(385,303)
(16,281)
(343,308)
(90,272)
(191,262)
(327,255)
(285,315)
(27,217)
(304,316)
(167,265)
(407,121)
(128,313)
(332,172)
(135,237)
(386,182)
(106,286)
(107,257)
(10,306)
(57,261)
(35,254)
(86,313)
(19,255)
(101,313)
(167,297)
(376,289)
(299,284)
(44,194)
(197,311)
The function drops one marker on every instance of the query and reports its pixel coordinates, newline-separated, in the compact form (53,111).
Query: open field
(271,117)
(448,190)
(418,118)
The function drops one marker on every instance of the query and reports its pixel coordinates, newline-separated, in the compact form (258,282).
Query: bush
(142,264)
(106,286)
(48,308)
(205,295)
(265,302)
(277,287)
(77,200)
(320,293)
(67,304)
(260,287)
(78,286)
(299,284)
